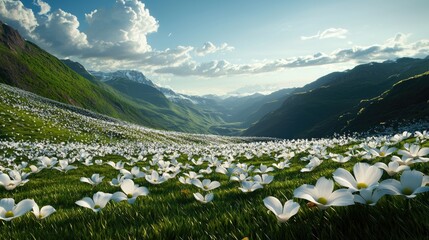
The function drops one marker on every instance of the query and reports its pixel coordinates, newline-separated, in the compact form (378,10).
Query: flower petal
(345,178)
(274,205)
(46,211)
(127,186)
(23,207)
(86,202)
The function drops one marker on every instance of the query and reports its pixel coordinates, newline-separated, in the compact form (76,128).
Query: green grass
(170,211)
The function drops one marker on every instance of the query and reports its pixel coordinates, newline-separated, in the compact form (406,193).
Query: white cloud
(252,89)
(60,33)
(126,22)
(209,48)
(395,47)
(328,33)
(44,7)
(117,38)
(147,62)
(18,16)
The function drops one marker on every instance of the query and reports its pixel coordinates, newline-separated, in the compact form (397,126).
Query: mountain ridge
(27,66)
(318,112)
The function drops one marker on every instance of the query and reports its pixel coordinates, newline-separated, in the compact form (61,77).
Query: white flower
(283,213)
(314,162)
(9,211)
(116,182)
(94,180)
(264,169)
(189,177)
(45,162)
(64,166)
(340,159)
(365,176)
(204,199)
(240,178)
(399,137)
(130,192)
(411,184)
(263,179)
(248,186)
(322,194)
(7,183)
(415,152)
(154,178)
(282,165)
(369,196)
(393,167)
(206,184)
(403,161)
(384,151)
(118,166)
(134,173)
(208,170)
(44,212)
(98,201)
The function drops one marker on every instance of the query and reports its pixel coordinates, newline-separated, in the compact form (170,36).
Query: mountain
(324,108)
(132,75)
(139,91)
(139,77)
(26,66)
(267,105)
(247,109)
(79,68)
(237,112)
(406,100)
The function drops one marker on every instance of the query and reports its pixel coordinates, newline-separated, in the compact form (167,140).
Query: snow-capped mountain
(176,97)
(132,75)
(139,77)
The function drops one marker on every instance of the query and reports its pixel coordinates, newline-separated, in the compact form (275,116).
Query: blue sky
(240,46)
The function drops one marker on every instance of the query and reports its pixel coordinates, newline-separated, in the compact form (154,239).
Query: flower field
(71,174)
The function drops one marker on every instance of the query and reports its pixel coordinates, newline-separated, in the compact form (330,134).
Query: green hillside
(406,100)
(320,112)
(26,66)
(139,92)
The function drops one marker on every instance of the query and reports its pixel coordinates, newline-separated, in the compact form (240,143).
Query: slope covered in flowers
(95,177)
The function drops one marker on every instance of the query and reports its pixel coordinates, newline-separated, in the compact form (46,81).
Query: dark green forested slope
(406,100)
(326,109)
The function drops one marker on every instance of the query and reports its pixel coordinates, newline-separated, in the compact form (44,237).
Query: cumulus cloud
(209,48)
(44,7)
(328,33)
(127,22)
(60,32)
(395,47)
(117,38)
(18,16)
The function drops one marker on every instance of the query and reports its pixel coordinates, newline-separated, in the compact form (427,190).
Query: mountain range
(354,100)
(330,104)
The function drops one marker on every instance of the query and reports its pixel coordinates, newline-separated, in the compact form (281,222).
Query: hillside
(25,116)
(79,69)
(406,100)
(320,112)
(26,66)
(50,149)
(230,115)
